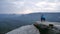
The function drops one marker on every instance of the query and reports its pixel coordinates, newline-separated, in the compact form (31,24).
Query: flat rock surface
(28,29)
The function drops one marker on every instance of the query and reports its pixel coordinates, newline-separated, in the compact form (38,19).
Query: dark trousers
(42,19)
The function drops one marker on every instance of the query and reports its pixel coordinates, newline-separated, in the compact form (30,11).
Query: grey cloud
(51,0)
(7,6)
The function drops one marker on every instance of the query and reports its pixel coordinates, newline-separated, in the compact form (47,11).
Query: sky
(28,6)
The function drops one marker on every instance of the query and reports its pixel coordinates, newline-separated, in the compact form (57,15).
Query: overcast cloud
(28,6)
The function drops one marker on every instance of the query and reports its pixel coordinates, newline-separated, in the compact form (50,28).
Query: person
(43,18)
